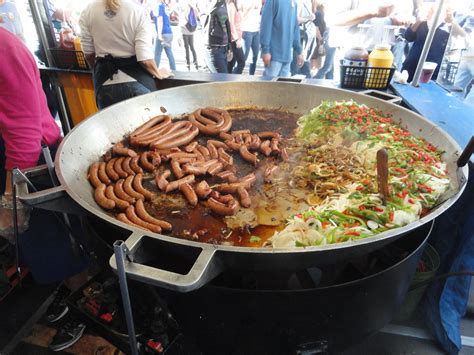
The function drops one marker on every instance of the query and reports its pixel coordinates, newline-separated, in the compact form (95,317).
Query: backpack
(191,24)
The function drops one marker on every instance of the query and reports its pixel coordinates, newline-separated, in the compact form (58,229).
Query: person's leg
(285,70)
(463,76)
(255,49)
(327,71)
(470,98)
(186,42)
(217,59)
(247,39)
(169,50)
(398,50)
(230,65)
(294,65)
(273,69)
(240,59)
(193,51)
(158,50)
(111,94)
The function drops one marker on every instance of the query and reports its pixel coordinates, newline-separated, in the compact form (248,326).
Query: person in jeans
(164,38)
(250,25)
(236,39)
(217,36)
(188,16)
(280,36)
(465,74)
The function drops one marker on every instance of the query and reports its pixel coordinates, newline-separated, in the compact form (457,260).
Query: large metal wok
(90,139)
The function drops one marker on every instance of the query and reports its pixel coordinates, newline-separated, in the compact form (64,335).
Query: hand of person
(238,43)
(300,60)
(164,73)
(266,58)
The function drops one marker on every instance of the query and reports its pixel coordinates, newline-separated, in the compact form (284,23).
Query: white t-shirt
(122,35)
(250,14)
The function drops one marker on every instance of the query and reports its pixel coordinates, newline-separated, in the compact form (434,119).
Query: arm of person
(411,31)
(356,16)
(87,42)
(159,22)
(297,44)
(231,11)
(266,26)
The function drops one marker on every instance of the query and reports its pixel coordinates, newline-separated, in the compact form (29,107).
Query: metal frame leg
(121,251)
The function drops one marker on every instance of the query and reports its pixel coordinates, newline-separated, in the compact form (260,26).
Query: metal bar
(49,163)
(64,117)
(426,47)
(120,250)
(41,32)
(15,228)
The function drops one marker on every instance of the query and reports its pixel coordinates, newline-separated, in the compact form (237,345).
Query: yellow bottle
(380,57)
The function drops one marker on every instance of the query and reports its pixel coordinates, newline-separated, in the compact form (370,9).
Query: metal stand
(121,251)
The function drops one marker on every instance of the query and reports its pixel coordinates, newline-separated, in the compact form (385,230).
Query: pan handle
(204,268)
(382,95)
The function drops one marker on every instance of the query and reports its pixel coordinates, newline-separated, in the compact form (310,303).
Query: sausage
(145,160)
(284,154)
(215,168)
(244,197)
(189,193)
(218,144)
(269,172)
(126,166)
(227,125)
(101,199)
(148,124)
(119,149)
(183,139)
(178,155)
(224,157)
(239,132)
(228,209)
(249,179)
(274,145)
(143,214)
(225,198)
(205,152)
(153,131)
(208,128)
(93,175)
(161,181)
(251,158)
(195,170)
(202,189)
(132,216)
(176,168)
(207,163)
(231,187)
(215,194)
(228,175)
(122,217)
(109,169)
(199,156)
(128,188)
(265,148)
(120,192)
(238,138)
(173,185)
(119,203)
(191,146)
(226,136)
(118,167)
(247,139)
(137,184)
(268,134)
(151,136)
(233,145)
(212,150)
(134,165)
(184,126)
(107,156)
(255,142)
(103,175)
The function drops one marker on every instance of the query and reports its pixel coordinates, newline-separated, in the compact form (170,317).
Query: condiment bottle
(354,57)
(381,57)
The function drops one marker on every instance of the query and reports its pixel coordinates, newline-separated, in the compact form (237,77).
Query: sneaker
(67,335)
(58,308)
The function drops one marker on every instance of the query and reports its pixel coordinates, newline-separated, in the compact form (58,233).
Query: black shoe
(58,308)
(70,332)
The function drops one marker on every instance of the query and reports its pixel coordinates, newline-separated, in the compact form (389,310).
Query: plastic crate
(69,59)
(450,74)
(354,77)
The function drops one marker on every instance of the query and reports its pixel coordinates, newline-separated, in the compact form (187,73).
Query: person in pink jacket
(236,39)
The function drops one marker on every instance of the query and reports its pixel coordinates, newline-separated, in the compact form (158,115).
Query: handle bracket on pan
(143,265)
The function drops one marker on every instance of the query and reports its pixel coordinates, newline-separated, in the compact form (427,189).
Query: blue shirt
(163,12)
(279,31)
(10,19)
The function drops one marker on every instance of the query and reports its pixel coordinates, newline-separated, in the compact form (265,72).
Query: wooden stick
(466,153)
(382,174)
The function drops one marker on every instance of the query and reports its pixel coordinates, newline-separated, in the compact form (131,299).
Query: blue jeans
(277,69)
(251,40)
(304,70)
(237,57)
(167,38)
(216,59)
(327,70)
(108,95)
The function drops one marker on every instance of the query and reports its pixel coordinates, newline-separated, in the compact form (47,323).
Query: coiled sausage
(128,188)
(137,184)
(120,192)
(143,214)
(101,199)
(93,175)
(119,203)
